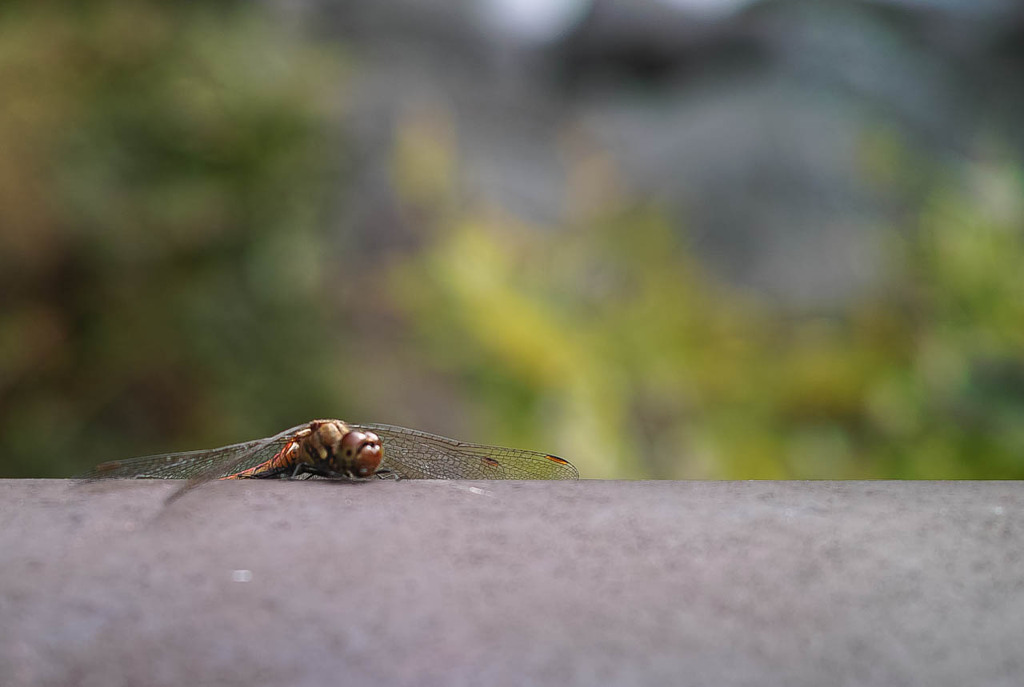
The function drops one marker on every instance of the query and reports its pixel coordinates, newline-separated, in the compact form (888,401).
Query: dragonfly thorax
(332,447)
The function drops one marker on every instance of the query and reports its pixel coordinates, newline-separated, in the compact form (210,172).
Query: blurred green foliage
(162,192)
(170,280)
(607,339)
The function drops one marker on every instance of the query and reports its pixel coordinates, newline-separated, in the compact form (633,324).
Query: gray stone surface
(489,583)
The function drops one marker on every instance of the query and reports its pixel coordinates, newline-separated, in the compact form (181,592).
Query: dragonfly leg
(305,471)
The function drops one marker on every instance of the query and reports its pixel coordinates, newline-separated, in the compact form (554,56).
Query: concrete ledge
(512,583)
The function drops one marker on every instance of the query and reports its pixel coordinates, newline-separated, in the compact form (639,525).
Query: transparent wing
(198,466)
(411,454)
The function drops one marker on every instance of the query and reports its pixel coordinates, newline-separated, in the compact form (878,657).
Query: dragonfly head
(361,453)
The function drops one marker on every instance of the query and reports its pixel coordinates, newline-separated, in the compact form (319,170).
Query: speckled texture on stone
(514,583)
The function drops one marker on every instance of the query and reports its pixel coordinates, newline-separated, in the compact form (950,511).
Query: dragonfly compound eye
(362,453)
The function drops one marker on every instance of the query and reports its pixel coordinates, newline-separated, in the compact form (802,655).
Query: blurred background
(662,238)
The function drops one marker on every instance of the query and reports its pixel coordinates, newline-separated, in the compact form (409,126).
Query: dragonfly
(342,450)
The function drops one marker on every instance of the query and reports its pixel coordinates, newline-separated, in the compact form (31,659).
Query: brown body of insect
(328,448)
